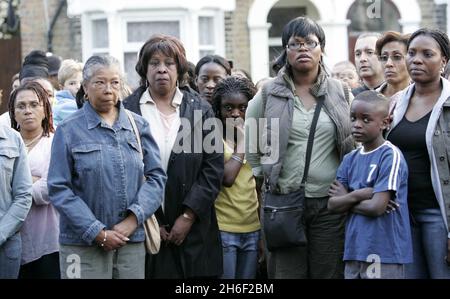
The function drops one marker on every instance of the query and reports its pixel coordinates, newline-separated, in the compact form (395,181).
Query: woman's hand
(164,234)
(181,228)
(392,206)
(127,226)
(110,240)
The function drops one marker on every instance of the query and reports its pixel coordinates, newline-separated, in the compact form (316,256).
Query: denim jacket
(15,183)
(96,173)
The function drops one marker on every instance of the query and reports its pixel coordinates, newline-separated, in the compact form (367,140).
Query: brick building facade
(67,41)
(35,23)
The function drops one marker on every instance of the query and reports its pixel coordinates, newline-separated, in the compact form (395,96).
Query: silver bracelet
(236,158)
(104,239)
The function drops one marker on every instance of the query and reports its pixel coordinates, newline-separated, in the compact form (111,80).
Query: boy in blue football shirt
(371,186)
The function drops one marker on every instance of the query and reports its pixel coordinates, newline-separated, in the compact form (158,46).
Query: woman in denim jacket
(15,199)
(95,180)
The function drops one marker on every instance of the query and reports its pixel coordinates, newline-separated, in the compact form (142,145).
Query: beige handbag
(151,226)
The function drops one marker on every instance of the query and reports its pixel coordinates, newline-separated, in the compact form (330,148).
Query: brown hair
(47,122)
(388,37)
(167,45)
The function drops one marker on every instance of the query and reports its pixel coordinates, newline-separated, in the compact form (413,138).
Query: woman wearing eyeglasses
(30,111)
(391,51)
(291,98)
(96,180)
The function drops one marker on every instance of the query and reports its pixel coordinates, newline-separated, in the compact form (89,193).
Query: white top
(164,128)
(40,231)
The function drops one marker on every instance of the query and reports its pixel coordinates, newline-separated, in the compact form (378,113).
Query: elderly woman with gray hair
(95,180)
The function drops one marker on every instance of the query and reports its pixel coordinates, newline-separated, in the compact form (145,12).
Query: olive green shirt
(324,156)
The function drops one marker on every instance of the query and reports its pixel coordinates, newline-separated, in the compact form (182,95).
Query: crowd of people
(85,161)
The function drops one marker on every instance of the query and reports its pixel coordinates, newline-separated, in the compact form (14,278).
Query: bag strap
(346,92)
(312,131)
(264,98)
(136,132)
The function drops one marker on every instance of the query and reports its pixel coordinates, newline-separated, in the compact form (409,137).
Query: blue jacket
(96,173)
(65,106)
(15,183)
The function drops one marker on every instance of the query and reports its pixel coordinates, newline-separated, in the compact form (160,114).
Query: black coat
(194,181)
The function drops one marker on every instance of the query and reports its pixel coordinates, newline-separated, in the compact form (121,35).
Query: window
(137,33)
(122,33)
(100,42)
(141,31)
(206,36)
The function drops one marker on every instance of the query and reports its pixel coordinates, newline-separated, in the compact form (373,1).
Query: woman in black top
(420,130)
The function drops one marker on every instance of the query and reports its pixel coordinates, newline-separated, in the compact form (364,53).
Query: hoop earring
(146,83)
(85,97)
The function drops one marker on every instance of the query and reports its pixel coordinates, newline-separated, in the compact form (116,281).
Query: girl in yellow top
(237,203)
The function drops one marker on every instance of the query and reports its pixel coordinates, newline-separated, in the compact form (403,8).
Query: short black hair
(215,59)
(169,46)
(302,27)
(229,86)
(374,97)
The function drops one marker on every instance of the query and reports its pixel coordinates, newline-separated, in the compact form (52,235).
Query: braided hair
(229,86)
(47,122)
(440,37)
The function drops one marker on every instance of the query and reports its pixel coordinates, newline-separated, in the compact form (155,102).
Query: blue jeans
(429,236)
(10,256)
(240,255)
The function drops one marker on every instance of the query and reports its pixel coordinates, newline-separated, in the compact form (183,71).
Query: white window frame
(117,30)
(218,47)
(87,21)
(149,16)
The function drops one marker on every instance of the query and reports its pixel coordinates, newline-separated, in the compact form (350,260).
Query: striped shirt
(387,236)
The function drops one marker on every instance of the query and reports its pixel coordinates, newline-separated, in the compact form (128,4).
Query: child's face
(73,83)
(368,123)
(350,77)
(233,106)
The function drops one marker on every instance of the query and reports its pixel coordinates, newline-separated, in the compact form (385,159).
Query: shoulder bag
(283,223)
(151,226)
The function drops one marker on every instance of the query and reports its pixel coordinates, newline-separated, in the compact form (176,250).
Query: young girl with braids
(237,203)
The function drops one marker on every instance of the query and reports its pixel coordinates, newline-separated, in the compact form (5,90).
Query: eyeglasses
(99,84)
(32,106)
(395,58)
(309,44)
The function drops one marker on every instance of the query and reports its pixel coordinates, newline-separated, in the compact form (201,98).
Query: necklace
(33,142)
